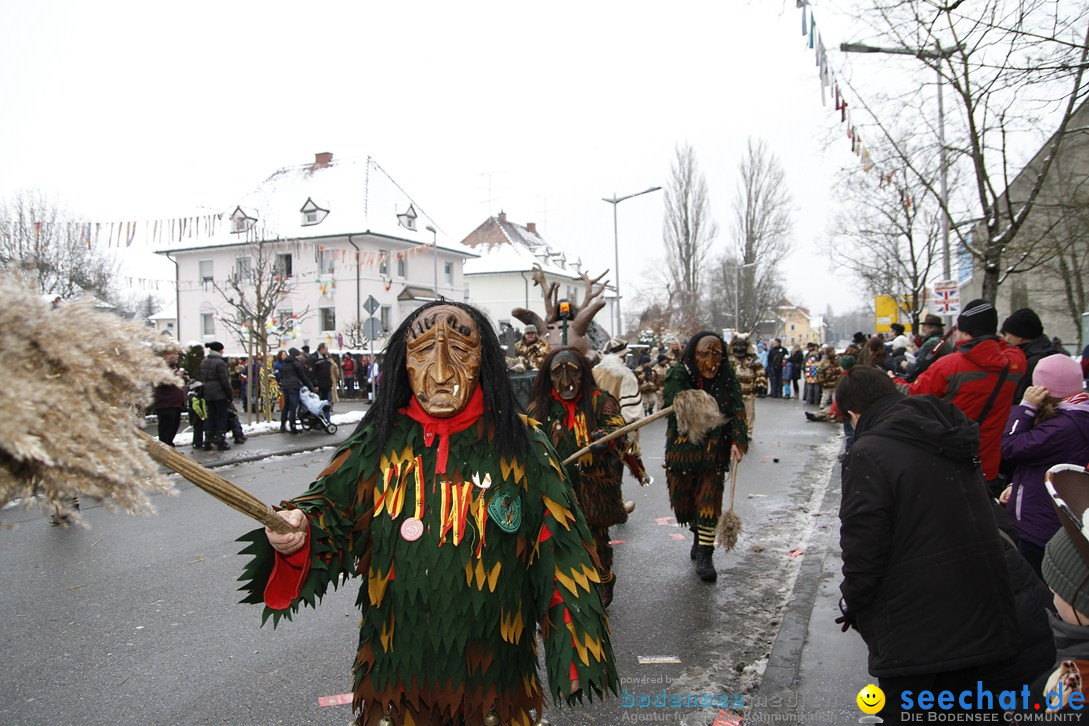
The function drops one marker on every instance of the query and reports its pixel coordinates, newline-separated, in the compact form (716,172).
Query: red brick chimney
(321,160)
(532,227)
(502,216)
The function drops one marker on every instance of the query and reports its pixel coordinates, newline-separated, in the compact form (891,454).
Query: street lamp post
(435,256)
(616,247)
(924,54)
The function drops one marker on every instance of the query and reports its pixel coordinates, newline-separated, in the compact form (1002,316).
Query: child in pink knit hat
(1050,426)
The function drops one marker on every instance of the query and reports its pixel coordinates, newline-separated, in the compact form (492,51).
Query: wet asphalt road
(135,620)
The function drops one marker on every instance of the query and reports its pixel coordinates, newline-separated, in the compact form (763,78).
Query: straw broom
(78,380)
(729,524)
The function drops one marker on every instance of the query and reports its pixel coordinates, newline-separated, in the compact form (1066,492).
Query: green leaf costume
(448,631)
(695,471)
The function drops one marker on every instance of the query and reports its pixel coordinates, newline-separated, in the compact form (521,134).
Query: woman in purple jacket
(1050,426)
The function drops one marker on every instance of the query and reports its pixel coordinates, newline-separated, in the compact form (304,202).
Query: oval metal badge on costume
(505,510)
(412,529)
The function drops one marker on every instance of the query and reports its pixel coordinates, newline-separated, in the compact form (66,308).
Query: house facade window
(328,319)
(326,264)
(207,324)
(285,321)
(384,314)
(283,265)
(448,273)
(383,263)
(243,266)
(402,266)
(206,270)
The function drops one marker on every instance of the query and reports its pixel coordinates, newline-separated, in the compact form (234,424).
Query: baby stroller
(314,412)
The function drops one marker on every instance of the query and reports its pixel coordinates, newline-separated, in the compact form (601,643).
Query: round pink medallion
(412,529)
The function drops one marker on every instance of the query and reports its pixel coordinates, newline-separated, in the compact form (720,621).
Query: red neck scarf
(442,427)
(572,408)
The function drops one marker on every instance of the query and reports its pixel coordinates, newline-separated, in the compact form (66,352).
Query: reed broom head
(77,383)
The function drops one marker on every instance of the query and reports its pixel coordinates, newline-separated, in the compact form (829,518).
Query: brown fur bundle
(76,383)
(697,413)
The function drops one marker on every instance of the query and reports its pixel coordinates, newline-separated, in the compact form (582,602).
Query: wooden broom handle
(634,426)
(227,492)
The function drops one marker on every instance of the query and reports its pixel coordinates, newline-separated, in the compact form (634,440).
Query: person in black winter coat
(321,373)
(797,363)
(1024,329)
(293,376)
(777,354)
(925,581)
(1032,600)
(169,400)
(217,394)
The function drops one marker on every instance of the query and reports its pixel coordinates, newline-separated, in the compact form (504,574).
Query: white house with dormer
(499,279)
(342,231)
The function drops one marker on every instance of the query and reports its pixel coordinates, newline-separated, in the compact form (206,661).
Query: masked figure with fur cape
(750,374)
(575,413)
(460,520)
(695,471)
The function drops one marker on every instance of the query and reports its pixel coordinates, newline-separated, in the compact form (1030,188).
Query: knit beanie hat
(978,318)
(294,352)
(1059,374)
(1065,571)
(847,362)
(214,345)
(1024,323)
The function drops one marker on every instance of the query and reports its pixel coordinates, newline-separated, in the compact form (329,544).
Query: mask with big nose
(566,376)
(708,356)
(443,359)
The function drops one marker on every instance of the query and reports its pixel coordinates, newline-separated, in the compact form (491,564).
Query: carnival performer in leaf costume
(696,472)
(576,413)
(460,520)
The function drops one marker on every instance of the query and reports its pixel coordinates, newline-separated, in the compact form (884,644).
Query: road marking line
(341,699)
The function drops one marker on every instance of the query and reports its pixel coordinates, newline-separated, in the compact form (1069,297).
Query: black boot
(608,582)
(222,445)
(293,429)
(283,427)
(695,543)
(705,568)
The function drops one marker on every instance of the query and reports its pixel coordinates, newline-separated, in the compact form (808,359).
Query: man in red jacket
(980,378)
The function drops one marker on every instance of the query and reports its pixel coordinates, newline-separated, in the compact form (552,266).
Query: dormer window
(241,222)
(312,213)
(407,219)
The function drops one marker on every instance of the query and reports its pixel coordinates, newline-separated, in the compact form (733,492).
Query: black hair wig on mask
(501,408)
(542,387)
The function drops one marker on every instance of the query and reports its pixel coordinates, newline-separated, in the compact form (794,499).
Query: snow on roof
(169,312)
(348,196)
(508,247)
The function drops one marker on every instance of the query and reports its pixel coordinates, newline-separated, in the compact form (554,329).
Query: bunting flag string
(828,80)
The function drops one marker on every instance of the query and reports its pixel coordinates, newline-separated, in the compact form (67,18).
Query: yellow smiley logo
(871,699)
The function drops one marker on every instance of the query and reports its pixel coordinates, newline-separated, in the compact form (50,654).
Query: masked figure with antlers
(550,328)
(460,518)
(695,470)
(576,413)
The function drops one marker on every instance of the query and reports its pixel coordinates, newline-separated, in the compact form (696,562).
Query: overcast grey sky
(145,110)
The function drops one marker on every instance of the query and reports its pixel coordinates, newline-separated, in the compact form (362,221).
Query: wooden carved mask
(443,360)
(566,376)
(708,356)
